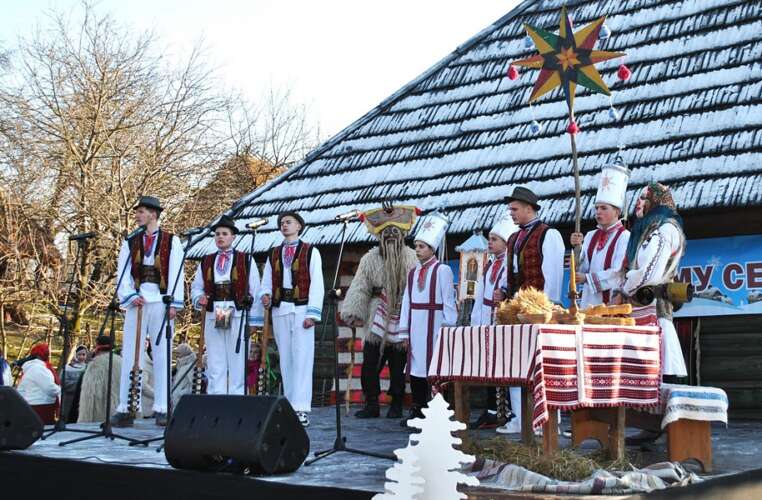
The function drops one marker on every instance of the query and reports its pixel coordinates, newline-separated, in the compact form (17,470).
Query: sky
(339,57)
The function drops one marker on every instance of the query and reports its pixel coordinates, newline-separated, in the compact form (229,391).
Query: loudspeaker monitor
(261,433)
(20,426)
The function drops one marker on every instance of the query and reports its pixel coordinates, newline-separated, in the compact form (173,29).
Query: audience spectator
(39,384)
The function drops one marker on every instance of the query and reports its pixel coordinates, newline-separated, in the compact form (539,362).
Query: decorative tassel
(604,33)
(513,72)
(528,42)
(623,73)
(572,128)
(535,127)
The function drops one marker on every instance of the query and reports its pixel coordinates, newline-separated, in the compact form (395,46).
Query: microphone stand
(340,444)
(63,331)
(113,307)
(243,325)
(166,326)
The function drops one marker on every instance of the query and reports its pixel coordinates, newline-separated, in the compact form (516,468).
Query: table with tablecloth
(564,366)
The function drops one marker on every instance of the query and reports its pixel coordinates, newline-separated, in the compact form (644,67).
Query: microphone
(82,236)
(256,223)
(352,214)
(140,230)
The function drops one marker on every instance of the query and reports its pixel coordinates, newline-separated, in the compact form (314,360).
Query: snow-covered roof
(459,136)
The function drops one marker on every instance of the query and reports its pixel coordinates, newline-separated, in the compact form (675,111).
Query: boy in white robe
(603,249)
(428,304)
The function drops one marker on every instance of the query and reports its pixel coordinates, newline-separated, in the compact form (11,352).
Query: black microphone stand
(340,444)
(63,331)
(166,326)
(243,326)
(113,307)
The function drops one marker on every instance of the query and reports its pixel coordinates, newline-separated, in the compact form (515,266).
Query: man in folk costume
(292,284)
(152,261)
(483,313)
(604,248)
(656,245)
(428,304)
(535,253)
(224,288)
(372,304)
(92,399)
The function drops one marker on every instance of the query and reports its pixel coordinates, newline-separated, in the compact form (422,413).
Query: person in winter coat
(92,398)
(74,371)
(39,384)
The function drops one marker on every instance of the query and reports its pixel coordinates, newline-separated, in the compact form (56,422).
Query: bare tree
(92,115)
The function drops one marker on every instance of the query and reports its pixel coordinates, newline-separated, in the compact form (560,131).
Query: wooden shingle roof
(459,136)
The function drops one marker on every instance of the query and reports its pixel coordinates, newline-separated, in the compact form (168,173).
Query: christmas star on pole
(567,59)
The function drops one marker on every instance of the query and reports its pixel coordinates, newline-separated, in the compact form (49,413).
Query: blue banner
(727,274)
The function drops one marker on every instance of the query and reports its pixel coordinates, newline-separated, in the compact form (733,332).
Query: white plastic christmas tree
(404,477)
(438,461)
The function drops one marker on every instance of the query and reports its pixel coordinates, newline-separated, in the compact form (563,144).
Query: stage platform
(115,470)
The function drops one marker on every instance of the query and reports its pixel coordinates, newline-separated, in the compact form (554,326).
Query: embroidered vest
(239,278)
(161,258)
(530,260)
(300,275)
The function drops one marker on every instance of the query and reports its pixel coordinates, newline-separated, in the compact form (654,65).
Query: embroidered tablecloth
(565,366)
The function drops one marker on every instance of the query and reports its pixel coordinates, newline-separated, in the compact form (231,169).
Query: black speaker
(261,433)
(20,426)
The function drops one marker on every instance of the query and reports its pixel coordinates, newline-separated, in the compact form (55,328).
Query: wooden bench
(687,438)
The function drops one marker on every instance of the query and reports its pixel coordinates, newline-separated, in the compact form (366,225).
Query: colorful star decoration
(567,59)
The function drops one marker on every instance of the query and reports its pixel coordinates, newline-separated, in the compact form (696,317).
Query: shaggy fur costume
(359,302)
(92,400)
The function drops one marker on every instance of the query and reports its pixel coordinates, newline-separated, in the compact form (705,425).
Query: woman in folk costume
(224,287)
(40,385)
(656,245)
(92,398)
(372,305)
(151,262)
(292,284)
(483,313)
(535,253)
(603,249)
(427,305)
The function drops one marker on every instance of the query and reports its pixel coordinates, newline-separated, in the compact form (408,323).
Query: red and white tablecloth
(566,366)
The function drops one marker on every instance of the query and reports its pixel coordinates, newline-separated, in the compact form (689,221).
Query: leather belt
(287,295)
(223,291)
(150,274)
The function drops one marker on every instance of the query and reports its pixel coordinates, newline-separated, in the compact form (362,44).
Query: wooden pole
(198,370)
(348,392)
(577,213)
(135,375)
(263,359)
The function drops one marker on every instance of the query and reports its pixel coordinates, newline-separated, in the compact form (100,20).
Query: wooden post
(577,189)
(550,433)
(616,434)
(527,413)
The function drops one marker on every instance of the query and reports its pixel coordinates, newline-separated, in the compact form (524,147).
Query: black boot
(395,409)
(370,410)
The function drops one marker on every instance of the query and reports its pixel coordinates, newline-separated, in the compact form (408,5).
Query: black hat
(525,195)
(226,221)
(292,214)
(149,202)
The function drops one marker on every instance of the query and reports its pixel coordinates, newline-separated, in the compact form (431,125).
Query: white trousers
(296,346)
(153,315)
(515,395)
(224,368)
